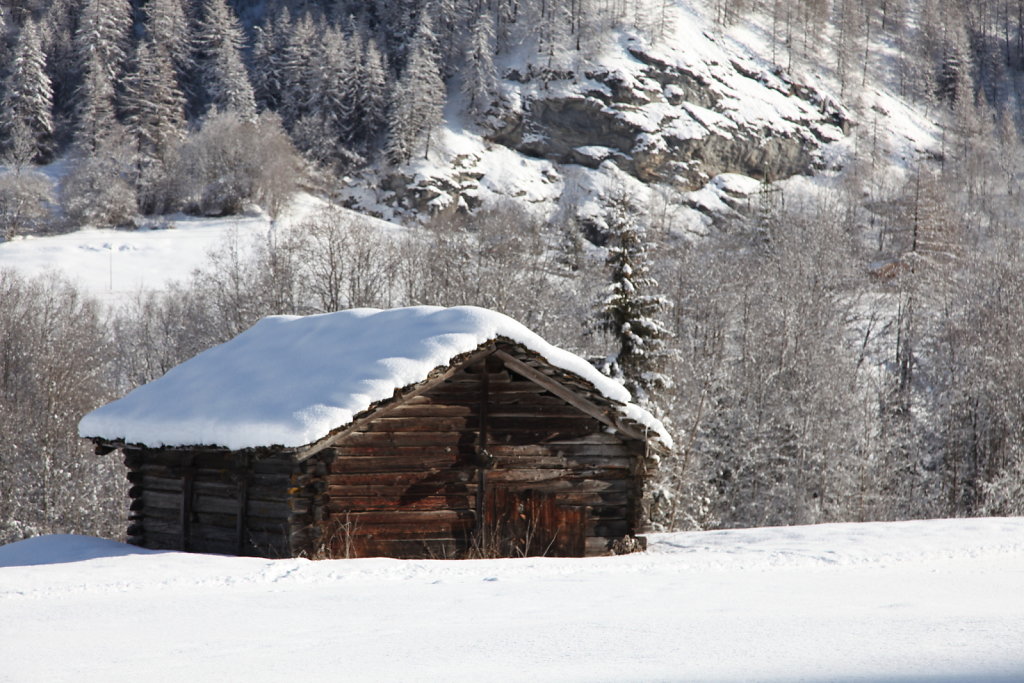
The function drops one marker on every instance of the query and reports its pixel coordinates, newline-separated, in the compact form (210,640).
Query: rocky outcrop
(674,115)
(665,123)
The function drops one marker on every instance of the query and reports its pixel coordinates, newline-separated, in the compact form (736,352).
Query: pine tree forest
(850,355)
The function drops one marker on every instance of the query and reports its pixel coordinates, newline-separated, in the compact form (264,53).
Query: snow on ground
(115,265)
(934,600)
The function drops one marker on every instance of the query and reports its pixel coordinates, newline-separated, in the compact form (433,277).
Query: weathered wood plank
(595,439)
(439,549)
(279,465)
(465,391)
(548,474)
(342,504)
(605,498)
(455,529)
(573,424)
(558,484)
(385,450)
(165,484)
(160,541)
(405,517)
(399,490)
(471,374)
(571,397)
(403,439)
(530,410)
(425,477)
(561,462)
(428,410)
(559,450)
(384,410)
(258,508)
(415,424)
(355,464)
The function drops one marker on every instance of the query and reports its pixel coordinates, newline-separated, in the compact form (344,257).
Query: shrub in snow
(232,161)
(98,190)
(25,203)
(345,264)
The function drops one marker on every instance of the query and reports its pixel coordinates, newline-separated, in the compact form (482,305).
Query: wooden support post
(188,475)
(482,456)
(243,503)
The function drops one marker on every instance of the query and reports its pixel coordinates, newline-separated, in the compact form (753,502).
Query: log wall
(216,501)
(408,484)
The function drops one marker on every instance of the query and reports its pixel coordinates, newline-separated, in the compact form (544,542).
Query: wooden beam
(482,456)
(567,395)
(188,477)
(331,439)
(243,504)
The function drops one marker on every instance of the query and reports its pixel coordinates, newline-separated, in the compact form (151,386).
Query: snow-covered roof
(291,380)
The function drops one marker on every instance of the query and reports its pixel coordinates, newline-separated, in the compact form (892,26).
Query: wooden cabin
(501,450)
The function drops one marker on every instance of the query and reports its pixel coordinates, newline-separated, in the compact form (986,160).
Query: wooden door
(530,522)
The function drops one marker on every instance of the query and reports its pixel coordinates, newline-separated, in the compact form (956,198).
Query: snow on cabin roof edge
(279,383)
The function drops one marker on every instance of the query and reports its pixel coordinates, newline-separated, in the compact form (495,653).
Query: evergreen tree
(267,71)
(152,104)
(100,47)
(95,118)
(418,100)
(298,70)
(103,35)
(334,85)
(3,35)
(324,128)
(396,24)
(62,64)
(954,82)
(218,55)
(26,121)
(450,19)
(480,82)
(371,112)
(631,312)
(168,30)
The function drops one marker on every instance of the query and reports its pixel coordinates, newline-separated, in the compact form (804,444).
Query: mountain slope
(657,117)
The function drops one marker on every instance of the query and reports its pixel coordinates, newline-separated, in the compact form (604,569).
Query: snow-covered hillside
(687,122)
(669,119)
(933,600)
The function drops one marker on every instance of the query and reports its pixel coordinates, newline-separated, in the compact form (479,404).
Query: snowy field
(911,601)
(116,265)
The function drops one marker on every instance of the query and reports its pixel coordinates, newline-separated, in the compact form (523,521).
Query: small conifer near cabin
(631,311)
